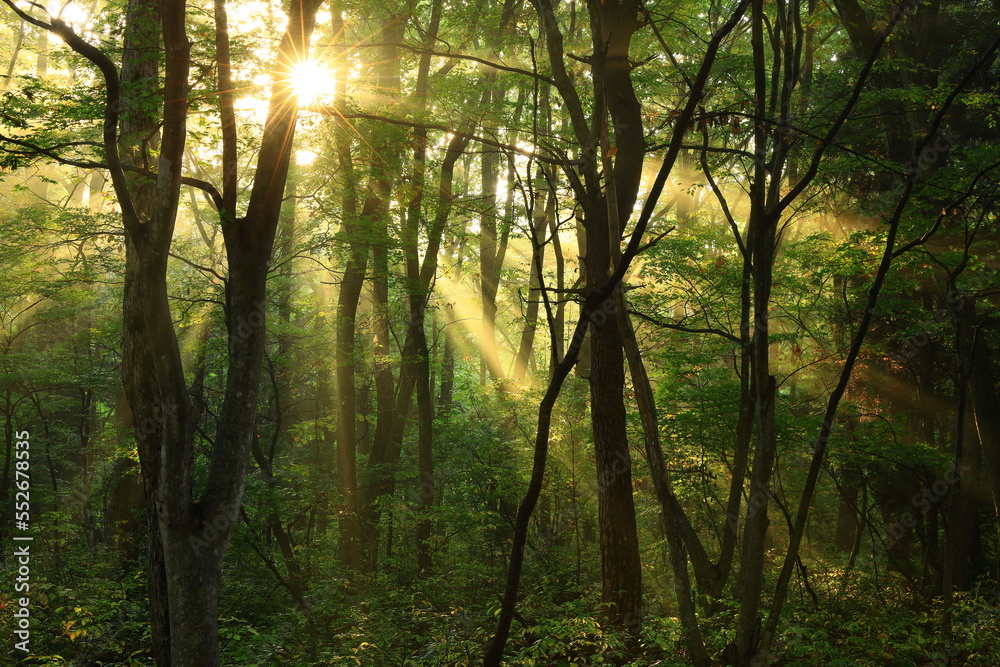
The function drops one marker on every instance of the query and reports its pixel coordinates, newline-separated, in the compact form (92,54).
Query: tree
(802,300)
(194,519)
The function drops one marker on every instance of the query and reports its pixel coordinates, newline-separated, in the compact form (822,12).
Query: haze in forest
(545,333)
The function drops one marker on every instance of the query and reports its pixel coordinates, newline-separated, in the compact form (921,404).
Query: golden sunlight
(312,82)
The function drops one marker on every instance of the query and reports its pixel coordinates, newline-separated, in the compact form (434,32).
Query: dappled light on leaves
(504,333)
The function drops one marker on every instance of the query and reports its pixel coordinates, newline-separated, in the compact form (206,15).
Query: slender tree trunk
(743,440)
(417,300)
(15,52)
(492,250)
(378,469)
(347,309)
(489,262)
(558,332)
(595,306)
(761,246)
(961,522)
(983,396)
(366,236)
(543,221)
(669,506)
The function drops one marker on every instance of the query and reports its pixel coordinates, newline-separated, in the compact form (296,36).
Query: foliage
(869,587)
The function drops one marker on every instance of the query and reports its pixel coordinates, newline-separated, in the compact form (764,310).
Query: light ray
(313,83)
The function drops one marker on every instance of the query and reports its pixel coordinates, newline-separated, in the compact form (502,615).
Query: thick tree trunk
(193,535)
(193,587)
(140,69)
(621,573)
(613,24)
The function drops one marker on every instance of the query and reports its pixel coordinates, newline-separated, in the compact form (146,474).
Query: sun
(312,82)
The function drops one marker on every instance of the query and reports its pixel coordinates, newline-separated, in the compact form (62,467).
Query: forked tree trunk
(612,25)
(193,534)
(140,66)
(669,506)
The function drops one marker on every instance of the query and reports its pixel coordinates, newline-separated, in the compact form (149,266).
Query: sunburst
(313,83)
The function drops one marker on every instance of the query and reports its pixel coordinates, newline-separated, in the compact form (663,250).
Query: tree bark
(612,25)
(192,536)
(672,513)
(594,306)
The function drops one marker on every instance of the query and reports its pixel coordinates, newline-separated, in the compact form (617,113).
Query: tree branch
(462,56)
(112,84)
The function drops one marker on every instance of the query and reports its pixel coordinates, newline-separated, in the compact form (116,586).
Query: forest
(552,333)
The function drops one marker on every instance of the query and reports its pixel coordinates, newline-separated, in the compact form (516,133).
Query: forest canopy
(538,333)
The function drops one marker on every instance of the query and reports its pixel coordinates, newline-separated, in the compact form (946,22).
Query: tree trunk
(347,310)
(543,221)
(672,513)
(490,258)
(613,24)
(595,307)
(984,399)
(193,535)
(140,68)
(621,573)
(761,246)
